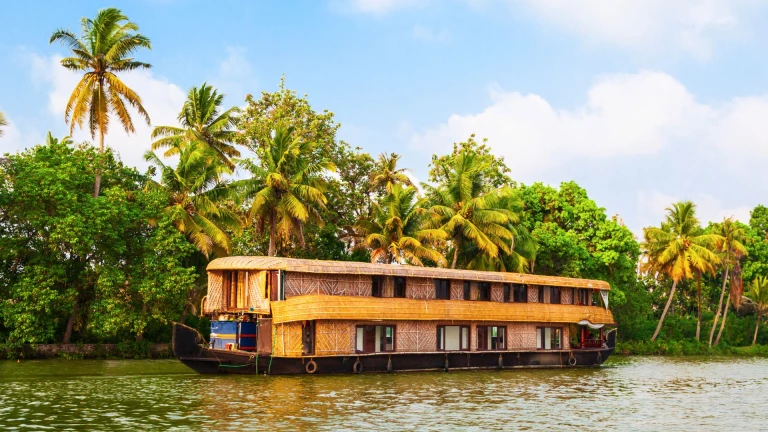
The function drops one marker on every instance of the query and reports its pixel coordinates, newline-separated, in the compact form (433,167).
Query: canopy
(590,325)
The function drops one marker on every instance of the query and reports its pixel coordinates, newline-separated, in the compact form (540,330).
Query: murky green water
(625,394)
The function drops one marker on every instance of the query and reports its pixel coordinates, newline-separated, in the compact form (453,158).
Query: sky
(641,102)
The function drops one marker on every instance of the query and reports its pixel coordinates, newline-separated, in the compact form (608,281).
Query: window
(453,338)
(491,338)
(582,297)
(308,338)
(378,286)
(520,293)
(484,291)
(549,337)
(235,283)
(399,287)
(467,290)
(554,295)
(541,294)
(507,293)
(442,289)
(371,339)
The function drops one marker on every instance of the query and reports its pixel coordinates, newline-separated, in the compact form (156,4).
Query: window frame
(467,293)
(383,330)
(377,286)
(552,296)
(445,285)
(395,287)
(488,331)
(541,294)
(507,293)
(240,290)
(543,338)
(520,291)
(461,338)
(483,288)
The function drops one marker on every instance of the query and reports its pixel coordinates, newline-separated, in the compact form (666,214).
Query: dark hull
(187,348)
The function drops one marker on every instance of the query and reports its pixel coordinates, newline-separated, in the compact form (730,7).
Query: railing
(593,343)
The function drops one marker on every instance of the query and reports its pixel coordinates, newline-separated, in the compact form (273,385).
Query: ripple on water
(627,394)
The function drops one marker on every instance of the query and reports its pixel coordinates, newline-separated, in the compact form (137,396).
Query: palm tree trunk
(722,324)
(271,233)
(666,308)
(719,307)
(456,253)
(140,334)
(757,326)
(97,183)
(698,323)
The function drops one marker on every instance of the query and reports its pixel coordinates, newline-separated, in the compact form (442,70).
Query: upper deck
(296,290)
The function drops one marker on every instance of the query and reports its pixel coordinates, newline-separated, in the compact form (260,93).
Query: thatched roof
(347,267)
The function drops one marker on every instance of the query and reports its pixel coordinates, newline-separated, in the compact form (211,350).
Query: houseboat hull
(189,348)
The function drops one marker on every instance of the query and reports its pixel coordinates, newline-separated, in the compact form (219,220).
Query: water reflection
(626,394)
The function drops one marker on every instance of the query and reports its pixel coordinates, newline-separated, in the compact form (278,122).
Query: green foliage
(72,262)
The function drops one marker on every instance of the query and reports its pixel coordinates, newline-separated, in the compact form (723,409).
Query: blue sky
(642,102)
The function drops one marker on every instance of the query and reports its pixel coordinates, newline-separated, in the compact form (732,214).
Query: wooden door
(264,336)
(482,338)
(369,339)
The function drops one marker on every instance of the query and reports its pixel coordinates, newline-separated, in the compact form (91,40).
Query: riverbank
(126,350)
(687,348)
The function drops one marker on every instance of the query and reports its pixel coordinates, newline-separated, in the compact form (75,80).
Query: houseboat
(273,315)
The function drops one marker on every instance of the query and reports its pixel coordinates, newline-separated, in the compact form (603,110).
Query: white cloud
(381,7)
(641,135)
(14,138)
(161,99)
(646,25)
(235,76)
(426,34)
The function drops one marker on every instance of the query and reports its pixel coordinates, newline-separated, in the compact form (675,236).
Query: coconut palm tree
(3,123)
(198,198)
(102,51)
(732,249)
(385,174)
(678,250)
(51,141)
(286,188)
(395,231)
(202,121)
(758,293)
(470,215)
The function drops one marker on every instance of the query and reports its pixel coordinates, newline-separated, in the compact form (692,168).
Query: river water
(625,394)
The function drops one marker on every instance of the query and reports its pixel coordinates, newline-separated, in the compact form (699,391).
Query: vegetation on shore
(93,251)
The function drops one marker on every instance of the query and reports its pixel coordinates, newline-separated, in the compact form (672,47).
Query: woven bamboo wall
(297,284)
(215,300)
(566,296)
(334,337)
(287,340)
(497,292)
(533,294)
(257,282)
(457,289)
(420,288)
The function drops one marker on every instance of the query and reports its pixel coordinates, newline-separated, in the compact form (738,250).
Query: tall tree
(202,122)
(198,198)
(758,293)
(102,51)
(678,250)
(395,232)
(386,174)
(286,188)
(469,213)
(731,249)
(3,123)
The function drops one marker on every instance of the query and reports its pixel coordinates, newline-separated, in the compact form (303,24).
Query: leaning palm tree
(395,231)
(731,249)
(102,51)
(470,215)
(286,188)
(678,250)
(386,174)
(758,293)
(202,121)
(3,123)
(198,198)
